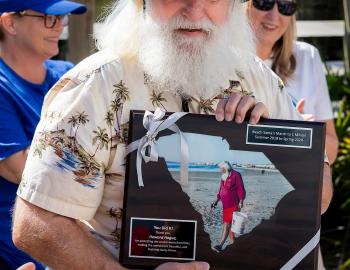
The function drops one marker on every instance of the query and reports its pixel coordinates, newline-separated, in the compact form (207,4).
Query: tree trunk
(80,41)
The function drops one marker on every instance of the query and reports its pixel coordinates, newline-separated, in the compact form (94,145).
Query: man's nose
(194,9)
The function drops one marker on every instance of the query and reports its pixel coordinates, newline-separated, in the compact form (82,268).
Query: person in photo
(231,194)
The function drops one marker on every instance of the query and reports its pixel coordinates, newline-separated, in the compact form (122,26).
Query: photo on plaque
(237,196)
(253,176)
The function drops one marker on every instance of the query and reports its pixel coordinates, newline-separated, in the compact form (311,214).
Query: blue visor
(53,7)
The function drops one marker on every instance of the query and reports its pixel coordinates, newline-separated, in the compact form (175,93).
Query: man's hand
(236,107)
(240,205)
(184,266)
(214,204)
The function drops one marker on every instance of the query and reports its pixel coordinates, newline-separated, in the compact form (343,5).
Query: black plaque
(281,164)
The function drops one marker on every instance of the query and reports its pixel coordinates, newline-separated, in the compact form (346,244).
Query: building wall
(320,10)
(331,48)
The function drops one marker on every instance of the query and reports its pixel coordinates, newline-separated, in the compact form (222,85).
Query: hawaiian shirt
(76,163)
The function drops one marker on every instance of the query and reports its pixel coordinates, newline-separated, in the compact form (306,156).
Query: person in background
(29,35)
(231,194)
(297,63)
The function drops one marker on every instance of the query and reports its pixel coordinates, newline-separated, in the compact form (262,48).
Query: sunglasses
(285,7)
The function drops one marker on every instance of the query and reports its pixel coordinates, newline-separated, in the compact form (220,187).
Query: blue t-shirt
(20,108)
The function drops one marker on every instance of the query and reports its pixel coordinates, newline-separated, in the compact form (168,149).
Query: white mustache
(180,22)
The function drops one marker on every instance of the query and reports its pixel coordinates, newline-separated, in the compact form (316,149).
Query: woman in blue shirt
(29,35)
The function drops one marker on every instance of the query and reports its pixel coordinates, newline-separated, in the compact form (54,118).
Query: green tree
(336,221)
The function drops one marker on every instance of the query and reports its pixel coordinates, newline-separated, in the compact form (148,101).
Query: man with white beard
(193,55)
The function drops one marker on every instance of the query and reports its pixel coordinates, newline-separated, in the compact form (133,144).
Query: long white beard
(199,66)
(224,176)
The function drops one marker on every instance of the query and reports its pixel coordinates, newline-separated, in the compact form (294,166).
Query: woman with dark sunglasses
(297,63)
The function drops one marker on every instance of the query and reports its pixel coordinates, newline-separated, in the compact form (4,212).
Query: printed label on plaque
(279,136)
(163,238)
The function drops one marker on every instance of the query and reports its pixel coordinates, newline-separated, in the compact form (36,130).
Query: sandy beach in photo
(263,192)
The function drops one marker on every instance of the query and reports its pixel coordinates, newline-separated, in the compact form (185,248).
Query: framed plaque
(270,206)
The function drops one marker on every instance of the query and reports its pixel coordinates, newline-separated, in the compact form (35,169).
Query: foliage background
(336,221)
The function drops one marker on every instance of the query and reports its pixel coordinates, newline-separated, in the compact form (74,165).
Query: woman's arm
(11,168)
(332,142)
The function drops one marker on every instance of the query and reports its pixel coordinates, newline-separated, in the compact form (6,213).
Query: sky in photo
(204,149)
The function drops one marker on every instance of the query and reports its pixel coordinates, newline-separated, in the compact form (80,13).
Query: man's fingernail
(219,117)
(203,266)
(238,119)
(228,117)
(253,121)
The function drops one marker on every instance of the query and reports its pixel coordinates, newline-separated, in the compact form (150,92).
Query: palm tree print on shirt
(82,120)
(117,214)
(109,119)
(71,155)
(206,106)
(236,87)
(157,100)
(116,107)
(73,121)
(102,138)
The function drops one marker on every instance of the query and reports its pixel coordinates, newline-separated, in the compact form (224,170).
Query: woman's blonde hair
(283,59)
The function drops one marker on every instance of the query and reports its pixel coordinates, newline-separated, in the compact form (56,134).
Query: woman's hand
(300,109)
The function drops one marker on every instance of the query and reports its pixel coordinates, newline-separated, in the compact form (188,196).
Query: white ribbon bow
(147,145)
